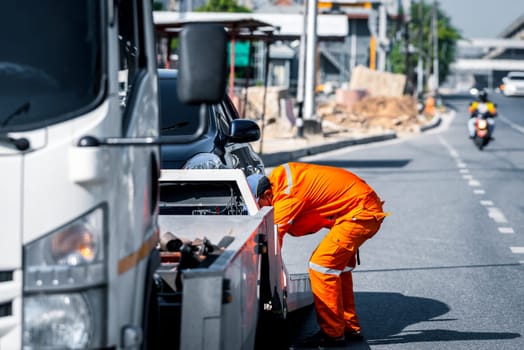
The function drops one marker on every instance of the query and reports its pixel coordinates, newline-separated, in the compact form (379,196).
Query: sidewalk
(277,150)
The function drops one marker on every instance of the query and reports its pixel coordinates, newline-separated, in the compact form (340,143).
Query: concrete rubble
(371,107)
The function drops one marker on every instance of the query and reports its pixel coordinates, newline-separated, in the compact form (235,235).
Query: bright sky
(481,18)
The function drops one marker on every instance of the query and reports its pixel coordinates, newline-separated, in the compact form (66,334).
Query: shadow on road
(377,163)
(384,316)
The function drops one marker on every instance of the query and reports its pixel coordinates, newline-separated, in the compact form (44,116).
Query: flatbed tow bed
(218,303)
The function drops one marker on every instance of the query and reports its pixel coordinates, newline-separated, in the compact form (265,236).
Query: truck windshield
(50,61)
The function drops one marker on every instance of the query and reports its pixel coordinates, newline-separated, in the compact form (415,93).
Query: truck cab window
(48,74)
(132,58)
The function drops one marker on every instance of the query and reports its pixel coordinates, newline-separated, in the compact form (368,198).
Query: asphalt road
(446,271)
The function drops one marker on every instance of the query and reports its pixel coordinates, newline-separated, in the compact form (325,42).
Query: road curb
(433,123)
(276,158)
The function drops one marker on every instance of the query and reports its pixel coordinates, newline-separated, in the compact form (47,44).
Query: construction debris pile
(372,102)
(373,114)
(369,115)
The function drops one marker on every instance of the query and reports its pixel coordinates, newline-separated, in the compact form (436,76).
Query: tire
(478,142)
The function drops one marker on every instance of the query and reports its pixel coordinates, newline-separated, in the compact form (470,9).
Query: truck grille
(6,309)
(6,276)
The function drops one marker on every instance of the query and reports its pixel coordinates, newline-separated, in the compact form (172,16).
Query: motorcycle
(482,133)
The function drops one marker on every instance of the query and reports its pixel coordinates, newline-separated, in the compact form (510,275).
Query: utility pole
(420,68)
(435,47)
(311,50)
(372,26)
(382,37)
(301,75)
(409,76)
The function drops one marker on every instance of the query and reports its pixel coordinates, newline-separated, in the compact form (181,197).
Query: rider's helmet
(483,95)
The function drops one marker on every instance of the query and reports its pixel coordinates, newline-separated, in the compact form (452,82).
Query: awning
(238,25)
(282,26)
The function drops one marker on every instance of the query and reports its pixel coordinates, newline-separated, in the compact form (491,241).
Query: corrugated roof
(283,26)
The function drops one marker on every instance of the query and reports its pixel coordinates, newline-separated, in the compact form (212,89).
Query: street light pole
(435,47)
(420,73)
(311,50)
(301,75)
(409,76)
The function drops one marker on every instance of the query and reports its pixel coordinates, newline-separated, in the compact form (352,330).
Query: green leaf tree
(404,62)
(222,6)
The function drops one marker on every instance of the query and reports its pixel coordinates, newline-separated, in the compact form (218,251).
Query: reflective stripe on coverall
(307,197)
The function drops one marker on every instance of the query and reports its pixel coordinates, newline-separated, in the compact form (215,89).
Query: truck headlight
(65,278)
(58,321)
(70,257)
(204,161)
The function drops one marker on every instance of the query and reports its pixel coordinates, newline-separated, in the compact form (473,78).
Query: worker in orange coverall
(306,198)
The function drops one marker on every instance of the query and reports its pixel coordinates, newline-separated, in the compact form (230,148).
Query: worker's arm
(286,210)
(309,223)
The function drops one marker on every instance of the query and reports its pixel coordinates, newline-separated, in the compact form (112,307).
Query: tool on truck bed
(179,254)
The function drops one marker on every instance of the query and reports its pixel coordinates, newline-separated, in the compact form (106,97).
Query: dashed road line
(497,215)
(506,230)
(494,213)
(518,250)
(511,124)
(474,183)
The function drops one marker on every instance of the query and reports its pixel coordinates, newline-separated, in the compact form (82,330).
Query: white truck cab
(77,204)
(81,187)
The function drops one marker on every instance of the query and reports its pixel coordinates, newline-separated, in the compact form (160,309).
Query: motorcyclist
(482,105)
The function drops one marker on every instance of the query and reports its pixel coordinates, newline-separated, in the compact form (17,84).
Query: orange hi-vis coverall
(308,197)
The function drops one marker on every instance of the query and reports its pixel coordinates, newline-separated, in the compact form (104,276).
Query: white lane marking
(517,250)
(494,213)
(506,230)
(497,215)
(511,124)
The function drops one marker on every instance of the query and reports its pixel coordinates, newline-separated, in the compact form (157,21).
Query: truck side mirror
(202,63)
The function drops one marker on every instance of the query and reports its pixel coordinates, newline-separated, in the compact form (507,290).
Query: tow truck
(83,200)
(225,280)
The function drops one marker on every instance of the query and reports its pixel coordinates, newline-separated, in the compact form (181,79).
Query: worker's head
(261,189)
